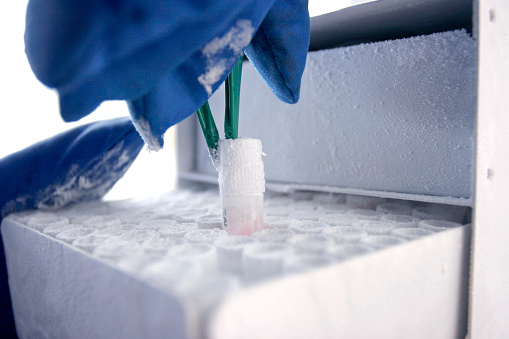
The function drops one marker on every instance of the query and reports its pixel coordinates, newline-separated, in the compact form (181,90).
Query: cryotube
(176,231)
(91,241)
(156,224)
(400,220)
(204,236)
(363,202)
(394,208)
(363,214)
(204,256)
(329,198)
(241,185)
(278,222)
(307,226)
(306,214)
(264,260)
(136,264)
(116,250)
(375,227)
(437,225)
(78,219)
(339,219)
(188,216)
(70,235)
(382,241)
(230,250)
(139,236)
(160,246)
(102,221)
(333,208)
(53,231)
(432,212)
(168,273)
(40,222)
(22,217)
(209,222)
(410,233)
(343,234)
(138,216)
(340,252)
(118,230)
(275,235)
(310,244)
(298,264)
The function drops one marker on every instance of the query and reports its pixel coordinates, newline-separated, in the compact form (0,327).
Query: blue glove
(78,165)
(279,48)
(165,57)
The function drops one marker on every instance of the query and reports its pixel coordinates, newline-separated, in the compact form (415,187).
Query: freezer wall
(392,116)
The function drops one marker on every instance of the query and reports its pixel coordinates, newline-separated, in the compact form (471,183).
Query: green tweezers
(232,99)
(208,127)
(231,119)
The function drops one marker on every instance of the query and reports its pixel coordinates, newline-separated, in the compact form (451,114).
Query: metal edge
(194,177)
(388,20)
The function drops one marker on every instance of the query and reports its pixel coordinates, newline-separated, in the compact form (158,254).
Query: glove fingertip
(73,108)
(284,85)
(287,95)
(139,108)
(155,142)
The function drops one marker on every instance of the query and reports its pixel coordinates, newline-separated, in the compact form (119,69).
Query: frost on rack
(134,235)
(241,184)
(174,244)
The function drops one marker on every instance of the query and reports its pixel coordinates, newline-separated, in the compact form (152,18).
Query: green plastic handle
(208,126)
(232,99)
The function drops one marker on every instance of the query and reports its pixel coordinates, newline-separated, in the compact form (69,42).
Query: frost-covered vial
(241,184)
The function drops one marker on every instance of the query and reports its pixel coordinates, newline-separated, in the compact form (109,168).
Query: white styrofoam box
(415,290)
(386,118)
(136,279)
(59,292)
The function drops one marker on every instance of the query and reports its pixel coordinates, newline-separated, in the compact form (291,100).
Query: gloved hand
(165,57)
(78,165)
